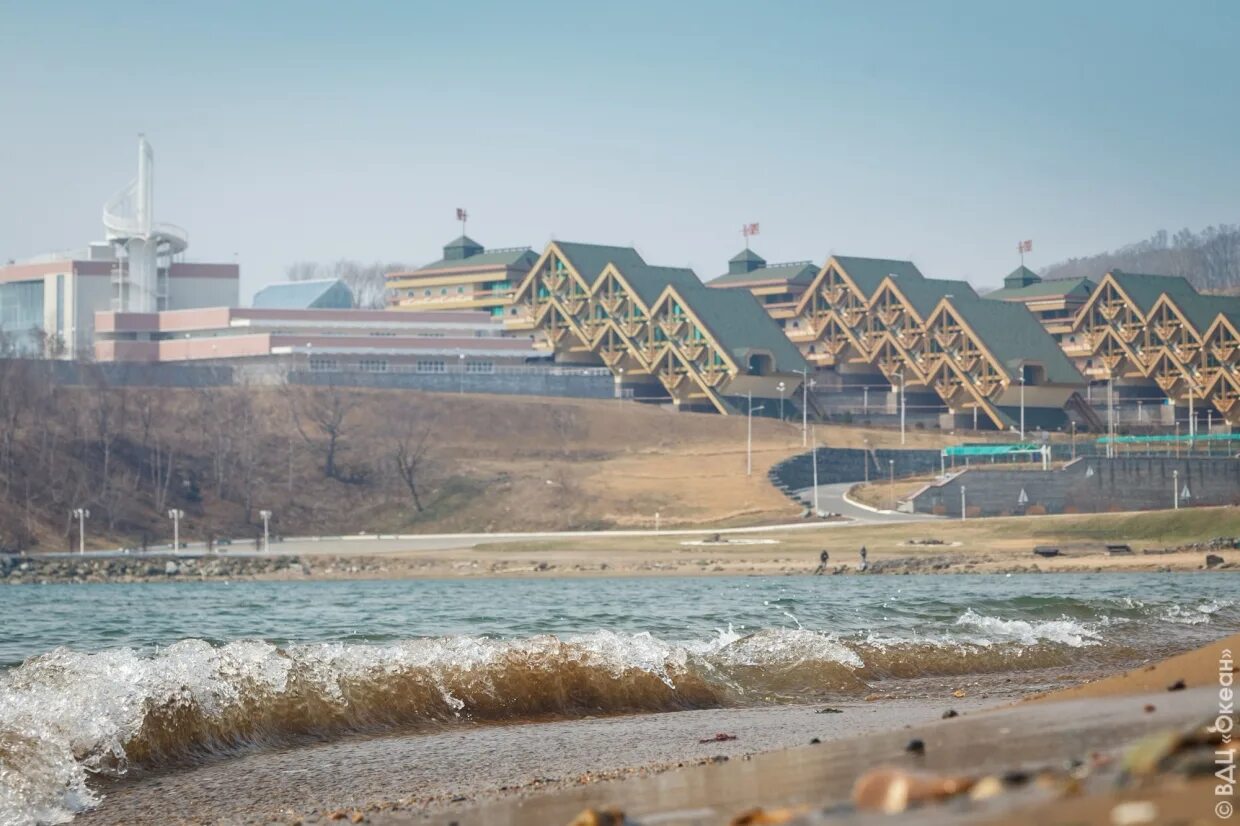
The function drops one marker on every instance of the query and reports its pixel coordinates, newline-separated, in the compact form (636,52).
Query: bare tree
(321,416)
(410,454)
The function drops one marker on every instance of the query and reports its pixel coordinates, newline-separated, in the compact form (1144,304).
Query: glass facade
(21,314)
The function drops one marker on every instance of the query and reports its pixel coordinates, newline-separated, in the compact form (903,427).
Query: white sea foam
(987,630)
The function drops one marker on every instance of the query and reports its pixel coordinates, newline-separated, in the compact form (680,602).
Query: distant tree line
(365,280)
(1209,259)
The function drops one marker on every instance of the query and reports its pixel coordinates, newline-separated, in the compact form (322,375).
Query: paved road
(831,499)
(388,543)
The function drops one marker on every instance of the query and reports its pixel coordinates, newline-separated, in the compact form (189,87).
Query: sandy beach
(693,768)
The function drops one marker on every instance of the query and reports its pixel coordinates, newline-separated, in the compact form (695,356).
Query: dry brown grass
(494,463)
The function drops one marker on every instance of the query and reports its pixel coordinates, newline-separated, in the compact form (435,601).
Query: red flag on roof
(1024,246)
(749,229)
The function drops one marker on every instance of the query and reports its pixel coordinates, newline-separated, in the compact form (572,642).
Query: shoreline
(1125,738)
(669,768)
(491,561)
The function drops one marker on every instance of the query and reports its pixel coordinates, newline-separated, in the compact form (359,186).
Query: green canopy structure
(990,450)
(1145,440)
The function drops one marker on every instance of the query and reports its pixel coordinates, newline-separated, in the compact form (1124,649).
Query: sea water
(111,678)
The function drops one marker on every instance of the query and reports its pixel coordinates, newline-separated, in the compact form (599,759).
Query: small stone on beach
(916,746)
(721,737)
(950,713)
(1178,685)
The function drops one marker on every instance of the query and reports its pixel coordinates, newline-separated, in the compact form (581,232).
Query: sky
(943,132)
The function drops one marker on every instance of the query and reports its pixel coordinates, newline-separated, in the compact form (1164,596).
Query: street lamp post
(749,435)
(817,512)
(1110,416)
(900,375)
(266,515)
(891,465)
(1074,439)
(81,515)
(1022,404)
(461,386)
(1175,489)
(806,382)
(865,459)
(780,388)
(176,515)
(964,511)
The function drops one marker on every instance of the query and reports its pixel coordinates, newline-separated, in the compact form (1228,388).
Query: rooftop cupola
(745,261)
(461,249)
(1022,276)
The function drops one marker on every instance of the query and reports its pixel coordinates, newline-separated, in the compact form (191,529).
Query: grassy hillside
(333,460)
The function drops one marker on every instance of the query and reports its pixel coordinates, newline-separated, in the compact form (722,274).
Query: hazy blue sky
(941,132)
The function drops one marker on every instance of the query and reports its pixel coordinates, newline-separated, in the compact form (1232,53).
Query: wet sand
(1080,723)
(449,770)
(545,772)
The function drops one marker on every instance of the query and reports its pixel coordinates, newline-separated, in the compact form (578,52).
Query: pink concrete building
(316,339)
(48,304)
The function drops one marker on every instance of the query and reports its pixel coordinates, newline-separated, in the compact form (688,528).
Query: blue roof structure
(319,294)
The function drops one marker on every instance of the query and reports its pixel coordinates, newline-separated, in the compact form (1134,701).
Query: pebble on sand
(767,817)
(891,791)
(600,817)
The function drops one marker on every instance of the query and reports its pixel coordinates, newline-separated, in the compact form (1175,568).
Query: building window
(479,367)
(322,365)
(460,290)
(428,366)
(443,290)
(374,365)
(427,292)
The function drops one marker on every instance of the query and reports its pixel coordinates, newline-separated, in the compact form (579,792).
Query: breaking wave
(68,715)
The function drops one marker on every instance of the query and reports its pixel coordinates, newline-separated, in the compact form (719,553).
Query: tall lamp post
(964,511)
(1110,415)
(176,515)
(900,375)
(1175,489)
(81,515)
(266,515)
(806,384)
(780,387)
(1022,403)
(620,384)
(749,435)
(891,465)
(817,512)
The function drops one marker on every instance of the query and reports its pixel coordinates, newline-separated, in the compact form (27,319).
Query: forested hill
(1209,259)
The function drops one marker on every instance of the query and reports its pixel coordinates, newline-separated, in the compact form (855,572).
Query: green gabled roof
(591,259)
(522,257)
(868,273)
(1145,289)
(800,272)
(741,326)
(649,282)
(1065,287)
(1014,335)
(925,293)
(1202,310)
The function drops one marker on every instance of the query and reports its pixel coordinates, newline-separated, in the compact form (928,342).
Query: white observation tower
(144,248)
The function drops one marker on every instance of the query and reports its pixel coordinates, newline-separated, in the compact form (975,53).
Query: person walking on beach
(864,564)
(823,559)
